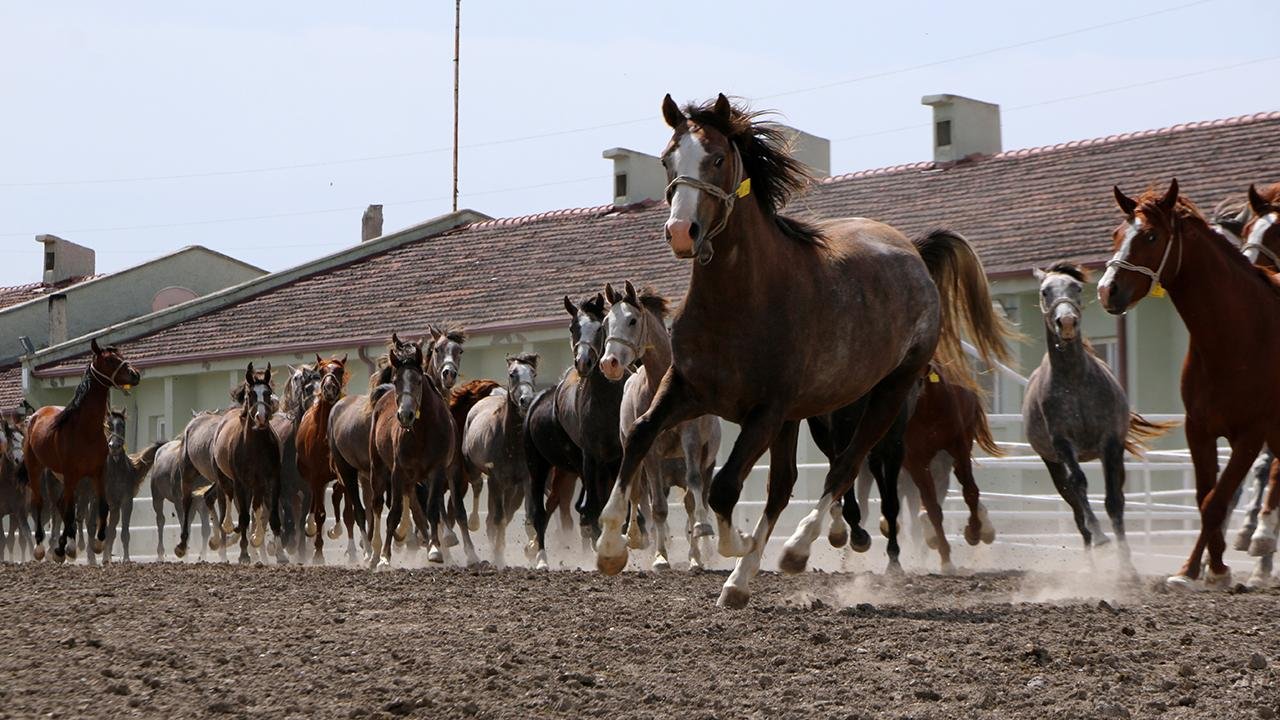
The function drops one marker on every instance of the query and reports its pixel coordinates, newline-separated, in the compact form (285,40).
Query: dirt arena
(211,640)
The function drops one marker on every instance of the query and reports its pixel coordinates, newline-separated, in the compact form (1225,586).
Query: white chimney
(963,127)
(64,259)
(813,151)
(637,176)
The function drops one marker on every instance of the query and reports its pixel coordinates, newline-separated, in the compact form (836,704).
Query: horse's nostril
(694,230)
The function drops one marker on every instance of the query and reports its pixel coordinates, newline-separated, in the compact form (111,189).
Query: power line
(602,126)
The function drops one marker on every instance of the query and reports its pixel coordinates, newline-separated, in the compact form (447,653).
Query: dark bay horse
(167,485)
(637,333)
(1074,410)
(312,440)
(247,452)
(13,496)
(1166,244)
(69,443)
(410,443)
(123,478)
(861,308)
(493,446)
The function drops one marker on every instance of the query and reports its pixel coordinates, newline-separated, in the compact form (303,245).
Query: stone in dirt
(1257,662)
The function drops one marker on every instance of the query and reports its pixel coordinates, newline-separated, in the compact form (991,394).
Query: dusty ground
(214,640)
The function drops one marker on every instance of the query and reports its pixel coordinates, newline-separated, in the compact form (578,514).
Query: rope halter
(1254,242)
(109,380)
(742,188)
(1156,289)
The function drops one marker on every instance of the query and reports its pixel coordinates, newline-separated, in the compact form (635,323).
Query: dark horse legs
(1073,486)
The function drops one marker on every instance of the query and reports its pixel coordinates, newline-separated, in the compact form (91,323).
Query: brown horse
(410,440)
(69,443)
(1262,233)
(247,453)
(1165,244)
(862,309)
(312,441)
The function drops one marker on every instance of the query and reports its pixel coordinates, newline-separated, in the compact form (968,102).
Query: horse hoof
(729,548)
(38,553)
(661,563)
(972,535)
(733,598)
(948,568)
(611,564)
(473,523)
(530,550)
(435,556)
(988,535)
(884,527)
(99,546)
(71,552)
(1262,545)
(541,563)
(1182,583)
(318,558)
(1243,539)
(245,559)
(1218,581)
(59,555)
(1259,581)
(450,540)
(695,566)
(860,540)
(793,561)
(180,551)
(335,533)
(838,535)
(703,529)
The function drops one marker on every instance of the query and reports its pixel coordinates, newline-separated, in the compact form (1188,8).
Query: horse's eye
(633,321)
(1150,238)
(719,161)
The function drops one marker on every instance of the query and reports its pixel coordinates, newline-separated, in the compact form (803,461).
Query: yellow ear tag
(1157,291)
(126,388)
(933,377)
(417,414)
(744,188)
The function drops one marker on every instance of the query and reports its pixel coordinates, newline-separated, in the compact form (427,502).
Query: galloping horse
(637,333)
(1262,233)
(1165,244)
(411,438)
(167,484)
(861,308)
(295,493)
(462,399)
(124,475)
(312,440)
(247,452)
(493,446)
(201,479)
(13,496)
(1075,411)
(69,443)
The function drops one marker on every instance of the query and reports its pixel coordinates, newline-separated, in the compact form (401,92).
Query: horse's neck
(93,406)
(1216,319)
(657,351)
(1068,357)
(322,408)
(748,253)
(598,400)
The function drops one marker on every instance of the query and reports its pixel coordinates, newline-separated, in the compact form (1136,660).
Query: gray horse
(200,476)
(493,445)
(166,485)
(295,494)
(122,478)
(1075,411)
(637,332)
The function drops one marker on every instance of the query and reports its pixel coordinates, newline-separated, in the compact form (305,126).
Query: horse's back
(350,422)
(482,439)
(1088,411)
(166,473)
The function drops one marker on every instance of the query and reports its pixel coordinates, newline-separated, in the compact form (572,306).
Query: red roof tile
(1020,208)
(16,294)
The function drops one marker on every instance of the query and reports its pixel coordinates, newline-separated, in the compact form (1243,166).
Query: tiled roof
(1020,208)
(15,294)
(10,387)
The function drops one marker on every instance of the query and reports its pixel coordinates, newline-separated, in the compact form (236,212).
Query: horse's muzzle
(405,417)
(448,377)
(612,368)
(682,235)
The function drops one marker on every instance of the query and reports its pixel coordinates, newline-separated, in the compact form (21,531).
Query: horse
(1261,234)
(1165,245)
(295,492)
(638,333)
(202,480)
(580,437)
(460,477)
(410,440)
(861,309)
(167,484)
(946,420)
(312,442)
(123,478)
(69,443)
(247,453)
(13,496)
(493,446)
(1074,410)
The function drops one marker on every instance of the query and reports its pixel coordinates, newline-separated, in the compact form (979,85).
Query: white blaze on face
(686,159)
(1257,231)
(1126,245)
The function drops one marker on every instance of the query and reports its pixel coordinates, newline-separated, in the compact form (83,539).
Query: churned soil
(211,640)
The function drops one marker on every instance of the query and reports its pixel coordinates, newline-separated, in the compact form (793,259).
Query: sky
(262,130)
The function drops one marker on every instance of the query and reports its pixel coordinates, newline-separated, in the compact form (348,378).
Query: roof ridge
(549,214)
(1066,145)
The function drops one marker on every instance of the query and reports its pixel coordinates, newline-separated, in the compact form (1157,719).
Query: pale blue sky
(104,91)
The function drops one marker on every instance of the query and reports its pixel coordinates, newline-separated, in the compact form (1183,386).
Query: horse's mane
(455,333)
(472,392)
(594,306)
(1270,193)
(1231,214)
(765,150)
(1070,269)
(82,391)
(381,376)
(654,302)
(525,358)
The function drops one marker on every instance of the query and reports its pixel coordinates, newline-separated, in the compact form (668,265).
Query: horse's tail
(982,435)
(466,396)
(1142,430)
(965,300)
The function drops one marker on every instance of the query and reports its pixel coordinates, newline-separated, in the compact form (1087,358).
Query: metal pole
(457,37)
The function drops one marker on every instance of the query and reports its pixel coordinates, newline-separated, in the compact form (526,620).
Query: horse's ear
(1257,203)
(268,373)
(723,109)
(533,361)
(395,339)
(1170,198)
(319,362)
(93,345)
(1126,203)
(632,297)
(570,307)
(248,373)
(1039,274)
(612,295)
(435,333)
(671,113)
(343,361)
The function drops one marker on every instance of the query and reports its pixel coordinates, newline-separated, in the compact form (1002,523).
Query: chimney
(963,127)
(636,176)
(371,223)
(64,259)
(813,151)
(57,319)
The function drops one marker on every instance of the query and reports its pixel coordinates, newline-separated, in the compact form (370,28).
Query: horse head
(332,378)
(1143,245)
(629,329)
(111,369)
(1262,233)
(257,398)
(522,369)
(446,354)
(1061,290)
(408,376)
(115,427)
(586,332)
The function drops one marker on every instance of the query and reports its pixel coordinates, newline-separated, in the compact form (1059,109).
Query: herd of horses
(844,324)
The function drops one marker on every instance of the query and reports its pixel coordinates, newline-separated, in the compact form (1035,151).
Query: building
(72,300)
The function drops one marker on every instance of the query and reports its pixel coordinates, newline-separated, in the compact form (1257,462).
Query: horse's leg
(316,525)
(672,403)
(782,479)
(1203,447)
(335,497)
(458,501)
(113,517)
(1113,471)
(884,404)
(693,445)
(126,517)
(759,430)
(891,457)
(658,510)
(535,502)
(205,529)
(1076,486)
(495,522)
(1213,510)
(274,491)
(67,510)
(1261,472)
(425,508)
(157,504)
(978,529)
(1061,477)
(934,535)
(244,504)
(1263,542)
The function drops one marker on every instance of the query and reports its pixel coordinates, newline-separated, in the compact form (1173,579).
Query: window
(942,133)
(158,429)
(48,260)
(1109,350)
(620,185)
